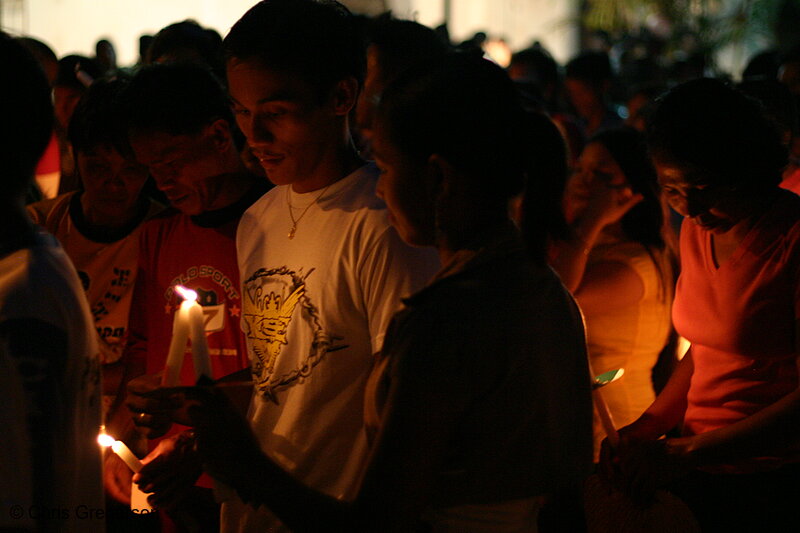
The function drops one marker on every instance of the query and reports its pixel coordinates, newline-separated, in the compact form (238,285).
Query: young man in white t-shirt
(322,269)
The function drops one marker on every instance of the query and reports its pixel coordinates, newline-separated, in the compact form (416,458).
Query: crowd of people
(412,264)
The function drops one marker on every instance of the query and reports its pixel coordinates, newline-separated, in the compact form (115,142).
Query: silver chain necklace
(291,215)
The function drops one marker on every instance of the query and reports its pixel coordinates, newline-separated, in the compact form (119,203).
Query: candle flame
(105,440)
(186,294)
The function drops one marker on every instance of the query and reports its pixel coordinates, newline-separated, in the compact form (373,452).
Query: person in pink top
(734,396)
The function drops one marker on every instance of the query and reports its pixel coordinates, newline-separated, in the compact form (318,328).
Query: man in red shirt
(180,127)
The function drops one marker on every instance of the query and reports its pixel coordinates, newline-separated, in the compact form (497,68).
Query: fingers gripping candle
(138,498)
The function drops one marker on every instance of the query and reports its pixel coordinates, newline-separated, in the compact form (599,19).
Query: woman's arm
(426,398)
(669,407)
(638,464)
(645,466)
(231,454)
(769,431)
(606,206)
(568,258)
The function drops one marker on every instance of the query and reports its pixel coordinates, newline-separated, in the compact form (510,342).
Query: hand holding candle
(138,498)
(600,405)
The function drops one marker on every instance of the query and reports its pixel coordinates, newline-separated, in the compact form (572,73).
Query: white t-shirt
(107,269)
(315,309)
(42,305)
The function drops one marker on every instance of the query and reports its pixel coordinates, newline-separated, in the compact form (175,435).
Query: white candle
(605,418)
(119,447)
(126,455)
(177,347)
(603,413)
(189,323)
(197,332)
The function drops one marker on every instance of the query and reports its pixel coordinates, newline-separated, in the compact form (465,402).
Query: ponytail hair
(546,171)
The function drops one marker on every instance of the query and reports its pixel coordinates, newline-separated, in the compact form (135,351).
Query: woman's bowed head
(719,161)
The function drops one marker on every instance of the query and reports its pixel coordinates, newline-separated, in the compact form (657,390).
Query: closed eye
(239,110)
(274,114)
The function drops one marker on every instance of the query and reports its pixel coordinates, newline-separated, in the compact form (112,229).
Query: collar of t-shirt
(504,242)
(234,211)
(101,234)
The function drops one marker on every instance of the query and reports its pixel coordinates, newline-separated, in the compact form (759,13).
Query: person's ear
(220,134)
(446,196)
(345,94)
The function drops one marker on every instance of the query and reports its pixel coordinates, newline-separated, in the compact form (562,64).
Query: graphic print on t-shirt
(273,298)
(213,311)
(109,294)
(217,288)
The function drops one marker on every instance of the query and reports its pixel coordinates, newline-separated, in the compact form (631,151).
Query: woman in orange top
(735,395)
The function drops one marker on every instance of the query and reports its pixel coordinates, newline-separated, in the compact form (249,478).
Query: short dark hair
(27,112)
(593,68)
(102,43)
(719,134)
(68,68)
(777,100)
(403,44)
(316,40)
(187,40)
(764,65)
(177,99)
(539,63)
(466,110)
(40,50)
(98,120)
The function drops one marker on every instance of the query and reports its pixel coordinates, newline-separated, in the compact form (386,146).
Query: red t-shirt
(199,253)
(51,158)
(740,318)
(174,250)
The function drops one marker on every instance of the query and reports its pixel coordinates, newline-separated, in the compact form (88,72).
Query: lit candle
(197,332)
(126,455)
(119,448)
(177,347)
(188,323)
